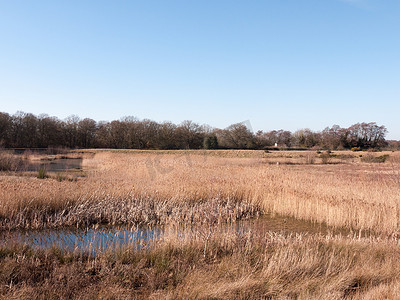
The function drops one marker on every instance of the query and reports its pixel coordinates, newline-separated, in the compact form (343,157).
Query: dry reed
(237,265)
(356,195)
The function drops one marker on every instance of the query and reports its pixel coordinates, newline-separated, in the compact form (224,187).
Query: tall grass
(355,195)
(10,162)
(205,262)
(131,211)
(237,265)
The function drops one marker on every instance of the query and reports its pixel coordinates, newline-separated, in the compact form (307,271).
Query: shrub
(326,157)
(355,149)
(375,159)
(60,177)
(42,173)
(10,162)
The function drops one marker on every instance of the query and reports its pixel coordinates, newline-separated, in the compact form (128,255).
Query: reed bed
(10,162)
(191,194)
(223,265)
(133,211)
(152,187)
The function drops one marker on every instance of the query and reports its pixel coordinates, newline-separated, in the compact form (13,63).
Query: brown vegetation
(180,188)
(10,162)
(356,195)
(249,265)
(25,130)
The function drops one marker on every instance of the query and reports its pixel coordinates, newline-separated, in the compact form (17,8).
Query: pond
(55,165)
(90,239)
(99,238)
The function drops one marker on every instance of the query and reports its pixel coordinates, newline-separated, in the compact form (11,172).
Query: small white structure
(276,144)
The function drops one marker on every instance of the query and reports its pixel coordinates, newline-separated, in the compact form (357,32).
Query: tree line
(26,130)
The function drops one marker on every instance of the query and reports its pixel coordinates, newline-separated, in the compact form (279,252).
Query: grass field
(358,191)
(343,192)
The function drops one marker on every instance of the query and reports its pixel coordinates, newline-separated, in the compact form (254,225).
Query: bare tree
(190,135)
(331,138)
(5,129)
(306,138)
(86,133)
(236,136)
(71,130)
(49,131)
(367,135)
(27,130)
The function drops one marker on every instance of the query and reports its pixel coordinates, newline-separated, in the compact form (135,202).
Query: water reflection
(106,237)
(55,165)
(90,239)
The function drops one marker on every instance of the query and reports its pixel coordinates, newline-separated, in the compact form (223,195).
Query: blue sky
(286,64)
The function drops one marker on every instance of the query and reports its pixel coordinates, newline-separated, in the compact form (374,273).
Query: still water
(55,165)
(105,237)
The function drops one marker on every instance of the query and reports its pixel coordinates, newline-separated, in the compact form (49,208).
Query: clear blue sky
(286,64)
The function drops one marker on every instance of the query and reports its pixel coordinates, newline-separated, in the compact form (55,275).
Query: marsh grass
(355,195)
(60,177)
(326,157)
(197,191)
(237,265)
(133,211)
(374,159)
(69,176)
(10,162)
(42,173)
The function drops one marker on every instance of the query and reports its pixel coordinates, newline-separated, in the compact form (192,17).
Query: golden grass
(248,265)
(258,265)
(356,195)
(9,162)
(207,262)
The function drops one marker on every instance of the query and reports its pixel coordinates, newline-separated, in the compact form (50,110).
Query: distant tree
(284,138)
(331,138)
(167,136)
(86,133)
(306,138)
(5,129)
(103,135)
(210,142)
(189,135)
(265,139)
(367,135)
(268,139)
(24,130)
(49,132)
(119,135)
(148,134)
(260,139)
(27,130)
(70,130)
(236,136)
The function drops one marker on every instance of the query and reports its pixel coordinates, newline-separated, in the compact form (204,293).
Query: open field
(357,191)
